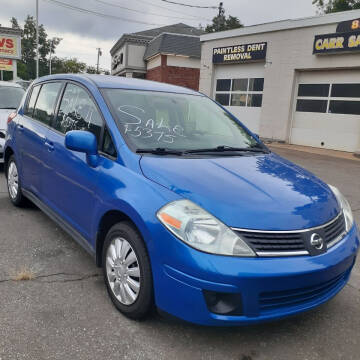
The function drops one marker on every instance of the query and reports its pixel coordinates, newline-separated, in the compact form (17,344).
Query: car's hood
(4,114)
(254,192)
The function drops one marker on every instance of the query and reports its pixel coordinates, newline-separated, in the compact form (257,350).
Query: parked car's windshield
(10,97)
(150,119)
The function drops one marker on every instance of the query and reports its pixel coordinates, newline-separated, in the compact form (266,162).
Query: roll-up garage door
(240,89)
(327,110)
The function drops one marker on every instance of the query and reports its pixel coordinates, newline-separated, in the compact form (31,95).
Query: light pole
(37,38)
(98,59)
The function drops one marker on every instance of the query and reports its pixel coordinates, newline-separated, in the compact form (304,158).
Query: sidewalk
(313,150)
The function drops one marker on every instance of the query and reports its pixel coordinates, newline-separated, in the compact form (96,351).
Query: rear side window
(45,104)
(31,105)
(78,112)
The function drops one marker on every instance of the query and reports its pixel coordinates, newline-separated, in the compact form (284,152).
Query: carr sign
(240,53)
(10,46)
(337,43)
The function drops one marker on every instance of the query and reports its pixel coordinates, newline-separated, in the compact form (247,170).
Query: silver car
(10,98)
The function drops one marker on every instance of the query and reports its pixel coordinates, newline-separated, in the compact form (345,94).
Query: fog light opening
(223,303)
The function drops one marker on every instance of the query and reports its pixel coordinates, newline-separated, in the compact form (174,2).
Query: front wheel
(13,183)
(127,271)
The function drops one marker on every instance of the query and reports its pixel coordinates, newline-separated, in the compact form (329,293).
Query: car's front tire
(127,271)
(13,183)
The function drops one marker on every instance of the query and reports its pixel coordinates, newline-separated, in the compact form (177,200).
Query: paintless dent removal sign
(337,43)
(10,46)
(239,53)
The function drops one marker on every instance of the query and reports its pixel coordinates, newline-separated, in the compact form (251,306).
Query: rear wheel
(127,271)
(13,183)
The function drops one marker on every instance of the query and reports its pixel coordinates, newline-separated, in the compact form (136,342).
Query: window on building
(246,92)
(121,59)
(329,98)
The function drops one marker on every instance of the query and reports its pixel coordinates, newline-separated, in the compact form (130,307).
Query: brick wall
(181,76)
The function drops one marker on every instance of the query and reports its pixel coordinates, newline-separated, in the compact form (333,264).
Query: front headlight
(199,229)
(345,206)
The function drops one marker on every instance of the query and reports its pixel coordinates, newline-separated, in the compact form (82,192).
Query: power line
(193,6)
(143,12)
(167,9)
(95,13)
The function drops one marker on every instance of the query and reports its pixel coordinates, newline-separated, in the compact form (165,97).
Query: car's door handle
(21,127)
(49,145)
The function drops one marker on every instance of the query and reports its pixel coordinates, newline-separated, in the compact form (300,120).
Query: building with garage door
(296,81)
(169,54)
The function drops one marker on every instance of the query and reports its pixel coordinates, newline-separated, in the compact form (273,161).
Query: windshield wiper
(8,108)
(159,151)
(224,148)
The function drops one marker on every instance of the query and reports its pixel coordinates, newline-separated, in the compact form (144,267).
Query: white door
(239,87)
(327,110)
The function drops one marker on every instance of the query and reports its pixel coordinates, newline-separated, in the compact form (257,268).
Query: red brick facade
(181,76)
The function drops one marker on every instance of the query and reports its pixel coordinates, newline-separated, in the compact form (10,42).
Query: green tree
(28,45)
(331,6)
(221,23)
(72,65)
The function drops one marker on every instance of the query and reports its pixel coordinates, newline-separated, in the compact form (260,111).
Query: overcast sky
(82,33)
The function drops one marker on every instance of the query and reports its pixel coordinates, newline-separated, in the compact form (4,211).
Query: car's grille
(334,229)
(270,301)
(283,243)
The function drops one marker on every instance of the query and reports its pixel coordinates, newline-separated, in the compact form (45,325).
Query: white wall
(288,51)
(182,61)
(136,56)
(154,62)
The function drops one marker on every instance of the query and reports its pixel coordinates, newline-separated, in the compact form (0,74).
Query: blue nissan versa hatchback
(182,206)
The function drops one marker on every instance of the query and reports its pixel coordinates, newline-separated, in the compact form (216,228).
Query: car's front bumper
(269,288)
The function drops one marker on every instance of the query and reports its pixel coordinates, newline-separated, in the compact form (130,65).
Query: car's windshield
(149,119)
(10,97)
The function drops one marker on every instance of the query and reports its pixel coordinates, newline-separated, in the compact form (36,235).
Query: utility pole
(220,15)
(51,46)
(98,59)
(37,38)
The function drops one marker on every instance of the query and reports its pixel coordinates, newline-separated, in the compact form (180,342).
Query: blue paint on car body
(259,191)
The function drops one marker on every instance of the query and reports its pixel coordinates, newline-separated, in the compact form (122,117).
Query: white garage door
(327,110)
(240,89)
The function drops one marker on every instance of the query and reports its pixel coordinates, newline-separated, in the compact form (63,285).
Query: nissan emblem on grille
(316,241)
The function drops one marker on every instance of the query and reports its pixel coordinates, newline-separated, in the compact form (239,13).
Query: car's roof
(118,82)
(9,84)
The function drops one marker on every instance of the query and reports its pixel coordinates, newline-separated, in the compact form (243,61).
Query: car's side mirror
(85,142)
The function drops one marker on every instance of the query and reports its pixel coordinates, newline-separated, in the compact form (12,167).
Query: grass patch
(24,275)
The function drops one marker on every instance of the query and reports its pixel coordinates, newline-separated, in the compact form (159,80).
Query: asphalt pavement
(64,312)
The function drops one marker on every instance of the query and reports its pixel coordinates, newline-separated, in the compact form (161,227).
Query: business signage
(10,46)
(240,53)
(337,43)
(6,64)
(347,26)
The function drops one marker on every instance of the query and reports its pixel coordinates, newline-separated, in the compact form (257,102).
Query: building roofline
(10,31)
(282,25)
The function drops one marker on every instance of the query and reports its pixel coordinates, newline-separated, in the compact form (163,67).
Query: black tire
(143,305)
(19,200)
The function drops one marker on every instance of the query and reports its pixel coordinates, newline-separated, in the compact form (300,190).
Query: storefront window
(223,99)
(223,85)
(329,98)
(246,92)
